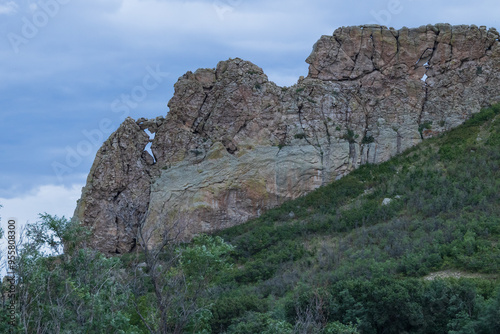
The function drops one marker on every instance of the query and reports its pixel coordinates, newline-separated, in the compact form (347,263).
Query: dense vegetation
(343,259)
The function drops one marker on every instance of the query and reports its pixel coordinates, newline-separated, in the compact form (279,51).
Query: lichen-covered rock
(234,144)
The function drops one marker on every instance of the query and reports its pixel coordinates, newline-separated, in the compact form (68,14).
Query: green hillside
(406,246)
(340,255)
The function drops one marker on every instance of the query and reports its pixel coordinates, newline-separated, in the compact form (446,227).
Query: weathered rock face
(117,190)
(234,144)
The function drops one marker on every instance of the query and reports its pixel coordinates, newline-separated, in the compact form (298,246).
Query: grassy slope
(338,255)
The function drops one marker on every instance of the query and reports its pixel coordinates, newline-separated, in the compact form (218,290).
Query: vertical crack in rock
(397,42)
(147,149)
(451,43)
(374,65)
(422,110)
(325,123)
(117,237)
(428,63)
(300,107)
(201,119)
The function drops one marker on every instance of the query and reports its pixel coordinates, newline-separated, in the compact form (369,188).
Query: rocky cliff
(235,144)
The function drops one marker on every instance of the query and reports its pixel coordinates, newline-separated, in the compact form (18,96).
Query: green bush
(367,140)
(300,136)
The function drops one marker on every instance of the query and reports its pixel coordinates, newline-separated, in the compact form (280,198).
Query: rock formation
(235,144)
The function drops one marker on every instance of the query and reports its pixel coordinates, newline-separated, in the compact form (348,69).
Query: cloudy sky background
(66,67)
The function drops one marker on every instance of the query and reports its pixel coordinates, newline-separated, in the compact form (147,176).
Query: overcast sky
(67,67)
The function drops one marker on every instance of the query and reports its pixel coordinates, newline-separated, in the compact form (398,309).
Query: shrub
(300,136)
(367,140)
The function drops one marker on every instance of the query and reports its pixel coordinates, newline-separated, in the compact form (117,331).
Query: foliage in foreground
(82,291)
(341,263)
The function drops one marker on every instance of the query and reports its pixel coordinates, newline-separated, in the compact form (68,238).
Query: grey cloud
(64,79)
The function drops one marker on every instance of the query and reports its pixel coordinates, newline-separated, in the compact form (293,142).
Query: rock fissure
(372,57)
(356,79)
(117,238)
(397,43)
(201,119)
(422,111)
(302,126)
(451,44)
(325,123)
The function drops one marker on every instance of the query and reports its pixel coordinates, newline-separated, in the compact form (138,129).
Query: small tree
(170,292)
(79,290)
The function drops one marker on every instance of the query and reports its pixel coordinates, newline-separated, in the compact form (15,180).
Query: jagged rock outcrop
(235,144)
